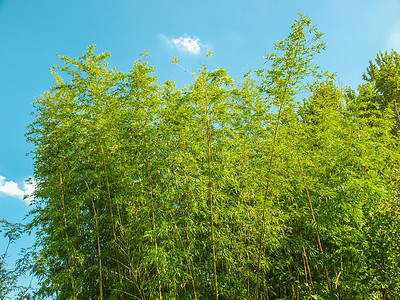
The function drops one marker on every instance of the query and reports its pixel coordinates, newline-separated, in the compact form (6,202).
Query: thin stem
(111,209)
(5,253)
(67,238)
(307,266)
(210,194)
(98,245)
(98,252)
(315,222)
(153,218)
(261,238)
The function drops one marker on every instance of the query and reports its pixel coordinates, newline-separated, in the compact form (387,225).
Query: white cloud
(185,43)
(29,188)
(11,189)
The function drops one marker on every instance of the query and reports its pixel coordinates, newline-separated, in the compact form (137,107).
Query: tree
(377,115)
(277,185)
(384,78)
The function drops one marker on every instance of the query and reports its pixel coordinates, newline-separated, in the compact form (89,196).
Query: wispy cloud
(185,43)
(11,189)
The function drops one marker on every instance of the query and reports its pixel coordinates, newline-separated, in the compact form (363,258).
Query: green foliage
(221,190)
(384,78)
(9,277)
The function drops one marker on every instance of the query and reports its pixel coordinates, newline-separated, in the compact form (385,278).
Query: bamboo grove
(278,185)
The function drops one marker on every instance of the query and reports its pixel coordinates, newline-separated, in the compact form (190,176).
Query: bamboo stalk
(261,238)
(67,238)
(210,194)
(111,209)
(306,265)
(315,222)
(154,228)
(191,268)
(98,246)
(153,220)
(98,253)
(188,261)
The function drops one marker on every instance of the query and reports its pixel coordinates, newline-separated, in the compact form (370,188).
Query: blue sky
(238,32)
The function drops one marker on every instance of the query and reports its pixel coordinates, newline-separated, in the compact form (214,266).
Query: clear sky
(238,32)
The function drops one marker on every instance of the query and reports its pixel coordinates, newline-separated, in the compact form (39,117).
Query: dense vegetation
(278,185)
